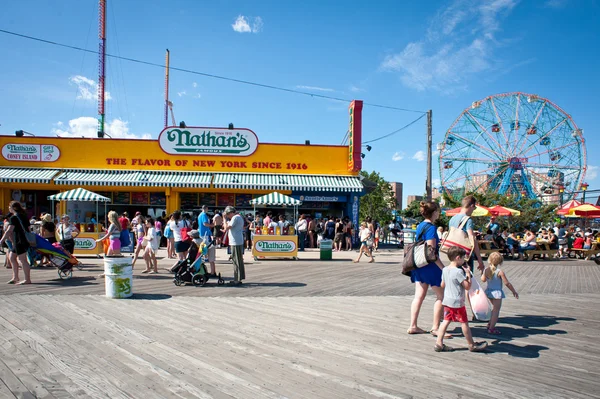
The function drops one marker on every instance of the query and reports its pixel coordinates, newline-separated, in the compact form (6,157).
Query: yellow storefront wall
(172,194)
(124,154)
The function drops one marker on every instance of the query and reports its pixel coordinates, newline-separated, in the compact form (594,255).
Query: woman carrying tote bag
(430,275)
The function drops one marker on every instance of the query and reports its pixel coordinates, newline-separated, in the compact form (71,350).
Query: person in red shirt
(124,221)
(578,243)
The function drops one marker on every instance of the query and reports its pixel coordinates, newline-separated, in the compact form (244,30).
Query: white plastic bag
(480,304)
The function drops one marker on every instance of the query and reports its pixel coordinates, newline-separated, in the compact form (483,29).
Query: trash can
(118,276)
(326,249)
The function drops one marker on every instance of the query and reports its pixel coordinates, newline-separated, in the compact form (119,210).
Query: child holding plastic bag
(495,278)
(456,278)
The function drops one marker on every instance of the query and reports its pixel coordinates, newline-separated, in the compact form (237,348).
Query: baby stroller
(62,259)
(192,269)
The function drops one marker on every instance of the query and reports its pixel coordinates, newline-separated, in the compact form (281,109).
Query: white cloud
(592,172)
(87,89)
(194,84)
(314,88)
(555,3)
(355,89)
(87,126)
(398,156)
(242,24)
(198,95)
(419,156)
(181,93)
(436,183)
(458,44)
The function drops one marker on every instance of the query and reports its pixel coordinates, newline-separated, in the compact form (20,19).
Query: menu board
(107,194)
(242,200)
(189,200)
(158,199)
(121,197)
(225,200)
(140,198)
(208,199)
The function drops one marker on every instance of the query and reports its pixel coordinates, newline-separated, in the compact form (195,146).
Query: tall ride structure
(167,89)
(101,65)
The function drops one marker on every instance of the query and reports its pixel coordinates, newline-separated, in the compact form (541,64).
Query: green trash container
(326,249)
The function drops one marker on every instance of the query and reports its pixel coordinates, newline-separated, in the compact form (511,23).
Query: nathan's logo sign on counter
(85,243)
(276,246)
(208,141)
(30,152)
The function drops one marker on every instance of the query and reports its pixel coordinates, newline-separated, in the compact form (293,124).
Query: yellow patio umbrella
(479,211)
(586,211)
(504,211)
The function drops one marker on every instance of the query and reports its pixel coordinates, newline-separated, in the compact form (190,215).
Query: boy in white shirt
(456,278)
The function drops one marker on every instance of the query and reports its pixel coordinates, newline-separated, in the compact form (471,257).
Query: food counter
(85,244)
(274,246)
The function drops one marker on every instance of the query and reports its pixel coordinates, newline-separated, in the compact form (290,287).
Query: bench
(583,253)
(485,249)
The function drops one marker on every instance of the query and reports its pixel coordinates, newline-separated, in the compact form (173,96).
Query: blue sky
(437,55)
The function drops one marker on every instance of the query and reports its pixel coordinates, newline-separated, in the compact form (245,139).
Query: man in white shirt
(235,229)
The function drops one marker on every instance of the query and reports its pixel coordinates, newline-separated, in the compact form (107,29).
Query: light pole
(561,190)
(584,187)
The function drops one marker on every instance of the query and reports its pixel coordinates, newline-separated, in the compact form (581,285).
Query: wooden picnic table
(585,253)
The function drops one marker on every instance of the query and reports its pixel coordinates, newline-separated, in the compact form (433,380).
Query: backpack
(184,232)
(125,238)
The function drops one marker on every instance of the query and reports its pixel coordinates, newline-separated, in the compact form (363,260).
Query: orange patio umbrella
(566,207)
(504,211)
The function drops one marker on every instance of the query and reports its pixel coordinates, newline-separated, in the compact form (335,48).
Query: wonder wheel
(514,144)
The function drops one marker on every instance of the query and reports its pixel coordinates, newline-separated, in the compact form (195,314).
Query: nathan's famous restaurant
(184,169)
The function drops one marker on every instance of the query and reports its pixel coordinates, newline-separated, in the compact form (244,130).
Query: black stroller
(193,269)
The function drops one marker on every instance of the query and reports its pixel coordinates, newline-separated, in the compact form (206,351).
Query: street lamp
(584,187)
(561,190)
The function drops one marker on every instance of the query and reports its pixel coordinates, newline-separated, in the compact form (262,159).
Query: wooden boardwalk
(297,329)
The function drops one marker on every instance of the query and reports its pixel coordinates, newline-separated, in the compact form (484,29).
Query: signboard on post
(355,136)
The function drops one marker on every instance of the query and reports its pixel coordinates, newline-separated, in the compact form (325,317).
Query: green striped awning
(260,181)
(275,199)
(27,175)
(78,194)
(134,178)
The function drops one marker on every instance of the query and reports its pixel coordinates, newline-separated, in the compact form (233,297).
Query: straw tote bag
(457,237)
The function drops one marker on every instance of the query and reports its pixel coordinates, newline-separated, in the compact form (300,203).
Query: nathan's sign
(279,246)
(30,152)
(208,141)
(85,243)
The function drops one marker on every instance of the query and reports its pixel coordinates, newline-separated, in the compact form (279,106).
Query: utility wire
(396,131)
(208,74)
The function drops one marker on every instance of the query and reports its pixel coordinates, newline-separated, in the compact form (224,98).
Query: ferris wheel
(513,144)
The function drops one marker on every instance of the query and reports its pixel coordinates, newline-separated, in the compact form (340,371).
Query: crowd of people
(559,237)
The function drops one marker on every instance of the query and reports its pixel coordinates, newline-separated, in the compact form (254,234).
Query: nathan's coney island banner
(188,149)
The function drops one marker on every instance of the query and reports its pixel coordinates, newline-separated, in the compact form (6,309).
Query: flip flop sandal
(446,336)
(443,348)
(419,331)
(12,282)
